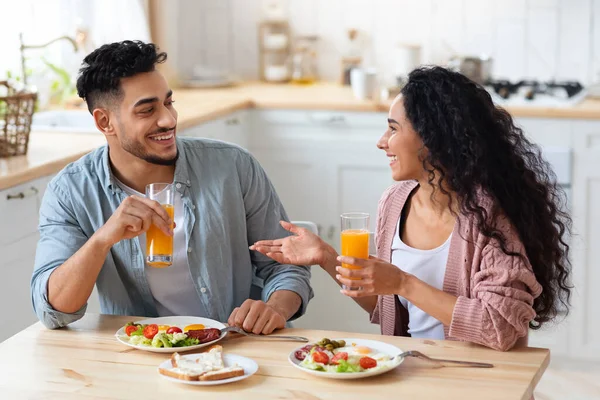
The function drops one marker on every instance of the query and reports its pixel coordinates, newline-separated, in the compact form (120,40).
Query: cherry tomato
(174,329)
(129,329)
(367,362)
(320,357)
(150,331)
(342,355)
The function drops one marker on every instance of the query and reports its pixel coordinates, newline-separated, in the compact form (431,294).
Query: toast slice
(208,366)
(174,373)
(213,353)
(225,373)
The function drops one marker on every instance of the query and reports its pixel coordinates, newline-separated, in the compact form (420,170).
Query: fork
(442,363)
(275,337)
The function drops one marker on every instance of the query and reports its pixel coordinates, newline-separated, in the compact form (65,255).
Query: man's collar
(181,177)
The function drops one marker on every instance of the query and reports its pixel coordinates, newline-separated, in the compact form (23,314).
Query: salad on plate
(164,336)
(338,356)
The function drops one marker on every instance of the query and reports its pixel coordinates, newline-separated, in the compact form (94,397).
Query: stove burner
(505,88)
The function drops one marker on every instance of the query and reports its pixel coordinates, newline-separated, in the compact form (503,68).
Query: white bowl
(276,73)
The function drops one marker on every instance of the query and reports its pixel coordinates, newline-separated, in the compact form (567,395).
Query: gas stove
(536,93)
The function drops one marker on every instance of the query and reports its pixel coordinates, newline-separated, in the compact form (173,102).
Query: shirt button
(189,249)
(203,290)
(193,207)
(178,186)
(188,182)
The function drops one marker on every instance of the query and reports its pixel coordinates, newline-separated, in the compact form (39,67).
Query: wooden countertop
(85,360)
(49,152)
(325,96)
(196,106)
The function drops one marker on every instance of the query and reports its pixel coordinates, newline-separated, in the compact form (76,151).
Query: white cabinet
(578,334)
(551,135)
(231,128)
(19,217)
(547,132)
(323,164)
(585,319)
(19,207)
(18,259)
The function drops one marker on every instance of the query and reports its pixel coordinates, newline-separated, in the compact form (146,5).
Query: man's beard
(135,148)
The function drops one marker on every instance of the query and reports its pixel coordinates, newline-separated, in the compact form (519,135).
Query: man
(94,215)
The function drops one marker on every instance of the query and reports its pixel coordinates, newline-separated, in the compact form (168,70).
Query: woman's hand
(304,248)
(375,277)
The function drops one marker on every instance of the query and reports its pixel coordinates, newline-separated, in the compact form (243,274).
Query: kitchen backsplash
(540,39)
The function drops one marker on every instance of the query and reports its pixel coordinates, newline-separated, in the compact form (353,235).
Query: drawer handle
(337,119)
(21,195)
(329,119)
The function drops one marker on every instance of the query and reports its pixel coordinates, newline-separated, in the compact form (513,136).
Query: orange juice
(158,243)
(355,243)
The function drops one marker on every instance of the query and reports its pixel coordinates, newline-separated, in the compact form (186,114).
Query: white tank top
(430,267)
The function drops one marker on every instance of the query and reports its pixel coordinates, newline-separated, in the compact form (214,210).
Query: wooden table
(86,361)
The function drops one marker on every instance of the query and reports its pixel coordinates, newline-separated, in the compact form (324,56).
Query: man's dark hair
(99,80)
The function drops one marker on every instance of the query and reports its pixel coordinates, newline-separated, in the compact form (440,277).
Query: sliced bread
(208,366)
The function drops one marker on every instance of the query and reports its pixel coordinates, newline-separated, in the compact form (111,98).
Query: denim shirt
(229,204)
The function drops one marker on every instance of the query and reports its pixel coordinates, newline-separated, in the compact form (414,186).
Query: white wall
(540,39)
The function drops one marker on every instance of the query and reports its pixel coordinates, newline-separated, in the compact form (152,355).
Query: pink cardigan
(495,291)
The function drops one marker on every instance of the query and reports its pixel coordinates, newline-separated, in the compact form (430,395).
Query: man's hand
(257,317)
(132,218)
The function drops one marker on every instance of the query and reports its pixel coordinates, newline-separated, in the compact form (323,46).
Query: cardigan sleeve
(383,203)
(500,307)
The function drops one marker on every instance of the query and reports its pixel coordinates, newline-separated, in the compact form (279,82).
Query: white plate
(181,322)
(250,368)
(381,347)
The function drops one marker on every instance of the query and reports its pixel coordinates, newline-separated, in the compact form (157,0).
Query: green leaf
(61,72)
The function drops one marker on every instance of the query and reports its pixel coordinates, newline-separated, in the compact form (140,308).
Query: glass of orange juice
(354,238)
(159,246)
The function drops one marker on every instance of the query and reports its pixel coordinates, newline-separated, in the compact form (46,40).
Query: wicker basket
(16,112)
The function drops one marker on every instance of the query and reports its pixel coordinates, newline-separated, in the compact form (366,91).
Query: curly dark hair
(472,146)
(99,79)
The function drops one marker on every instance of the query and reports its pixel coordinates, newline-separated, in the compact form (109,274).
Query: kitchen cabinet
(231,128)
(322,164)
(19,215)
(19,207)
(584,320)
(553,135)
(575,335)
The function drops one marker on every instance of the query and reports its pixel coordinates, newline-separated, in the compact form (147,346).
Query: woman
(470,242)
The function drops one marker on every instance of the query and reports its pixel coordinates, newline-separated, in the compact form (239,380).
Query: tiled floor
(569,381)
